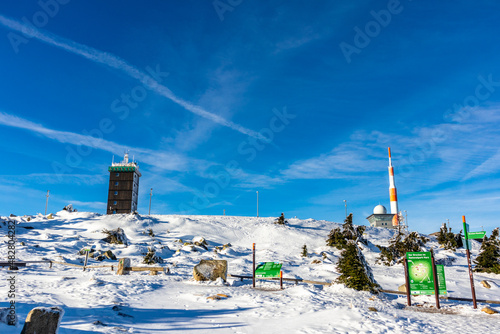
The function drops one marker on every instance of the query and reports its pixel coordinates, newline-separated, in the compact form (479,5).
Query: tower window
(116,183)
(114,211)
(114,203)
(116,192)
(117,174)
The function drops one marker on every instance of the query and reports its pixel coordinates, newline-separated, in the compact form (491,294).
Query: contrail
(117,63)
(164,161)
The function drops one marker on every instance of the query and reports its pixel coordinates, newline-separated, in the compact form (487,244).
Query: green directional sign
(268,269)
(466,237)
(420,273)
(441,279)
(476,235)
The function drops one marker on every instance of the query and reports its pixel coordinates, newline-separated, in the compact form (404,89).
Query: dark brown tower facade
(123,187)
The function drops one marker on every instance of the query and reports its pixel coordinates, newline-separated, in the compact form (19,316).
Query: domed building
(380,217)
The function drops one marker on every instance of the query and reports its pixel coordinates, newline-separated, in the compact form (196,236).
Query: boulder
(50,216)
(115,236)
(109,254)
(210,270)
(488,310)
(8,316)
(486,284)
(200,242)
(43,320)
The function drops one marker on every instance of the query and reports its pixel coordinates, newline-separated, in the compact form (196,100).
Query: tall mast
(392,188)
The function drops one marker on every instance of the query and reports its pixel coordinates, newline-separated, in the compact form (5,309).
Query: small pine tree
(488,260)
(338,238)
(447,238)
(398,246)
(281,220)
(458,239)
(304,250)
(441,237)
(355,271)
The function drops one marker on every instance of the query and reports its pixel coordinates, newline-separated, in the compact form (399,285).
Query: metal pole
(407,282)
(466,237)
(150,195)
(345,204)
(406,221)
(47,202)
(281,279)
(436,286)
(257,204)
(253,261)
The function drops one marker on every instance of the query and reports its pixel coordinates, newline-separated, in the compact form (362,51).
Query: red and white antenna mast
(392,192)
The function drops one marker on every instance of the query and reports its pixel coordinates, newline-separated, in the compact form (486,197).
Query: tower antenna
(392,192)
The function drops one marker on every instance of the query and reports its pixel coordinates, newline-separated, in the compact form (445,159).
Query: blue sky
(219,99)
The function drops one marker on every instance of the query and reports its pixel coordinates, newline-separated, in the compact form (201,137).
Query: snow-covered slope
(97,300)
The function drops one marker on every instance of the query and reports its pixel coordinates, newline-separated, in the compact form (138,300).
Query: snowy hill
(97,300)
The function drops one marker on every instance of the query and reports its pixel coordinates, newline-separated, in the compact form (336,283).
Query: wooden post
(281,279)
(86,258)
(122,265)
(471,277)
(436,284)
(253,261)
(407,282)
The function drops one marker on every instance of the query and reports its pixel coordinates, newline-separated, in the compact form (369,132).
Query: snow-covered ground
(97,300)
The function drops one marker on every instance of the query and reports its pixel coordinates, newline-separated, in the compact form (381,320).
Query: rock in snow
(44,320)
(210,270)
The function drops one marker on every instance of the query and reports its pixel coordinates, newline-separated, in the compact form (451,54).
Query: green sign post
(467,251)
(441,279)
(476,235)
(420,273)
(268,269)
(423,277)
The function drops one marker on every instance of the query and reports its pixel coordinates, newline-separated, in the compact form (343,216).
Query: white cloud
(114,62)
(163,160)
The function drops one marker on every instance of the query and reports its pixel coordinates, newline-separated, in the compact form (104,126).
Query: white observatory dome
(379,210)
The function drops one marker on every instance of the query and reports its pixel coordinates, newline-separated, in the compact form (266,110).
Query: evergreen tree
(338,238)
(399,245)
(355,271)
(458,239)
(447,238)
(304,251)
(281,220)
(488,260)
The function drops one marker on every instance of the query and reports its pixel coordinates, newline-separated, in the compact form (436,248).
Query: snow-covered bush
(399,245)
(488,260)
(281,220)
(70,208)
(151,257)
(446,238)
(115,236)
(338,238)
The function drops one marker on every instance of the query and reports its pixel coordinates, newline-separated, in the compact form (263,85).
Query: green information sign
(476,235)
(268,269)
(420,273)
(441,279)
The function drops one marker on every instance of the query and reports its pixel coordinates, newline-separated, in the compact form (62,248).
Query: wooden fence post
(122,265)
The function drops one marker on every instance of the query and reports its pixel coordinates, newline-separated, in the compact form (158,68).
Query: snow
(99,301)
